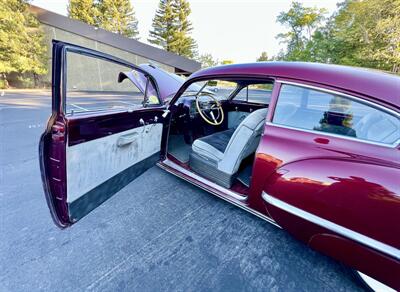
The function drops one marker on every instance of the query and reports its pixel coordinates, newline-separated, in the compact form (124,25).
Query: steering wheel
(206,110)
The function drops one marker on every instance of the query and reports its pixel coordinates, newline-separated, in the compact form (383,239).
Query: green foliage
(361,33)
(3,84)
(366,33)
(84,10)
(117,16)
(22,46)
(302,22)
(263,57)
(172,28)
(207,60)
(227,62)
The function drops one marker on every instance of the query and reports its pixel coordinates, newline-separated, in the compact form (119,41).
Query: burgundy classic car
(311,148)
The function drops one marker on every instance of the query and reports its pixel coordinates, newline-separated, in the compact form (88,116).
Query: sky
(235,30)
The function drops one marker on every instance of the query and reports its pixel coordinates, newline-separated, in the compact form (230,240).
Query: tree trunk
(35,80)
(4,77)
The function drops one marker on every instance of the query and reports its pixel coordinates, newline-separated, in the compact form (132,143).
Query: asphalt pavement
(157,234)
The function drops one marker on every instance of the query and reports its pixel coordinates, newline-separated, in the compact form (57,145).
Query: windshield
(220,89)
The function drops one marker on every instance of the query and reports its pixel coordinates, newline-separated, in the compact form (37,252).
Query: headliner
(376,84)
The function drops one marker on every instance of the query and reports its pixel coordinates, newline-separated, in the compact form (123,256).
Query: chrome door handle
(126,139)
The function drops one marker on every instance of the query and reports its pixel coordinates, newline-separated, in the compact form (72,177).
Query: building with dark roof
(65,29)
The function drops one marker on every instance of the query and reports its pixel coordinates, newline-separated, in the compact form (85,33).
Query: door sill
(211,187)
(185,173)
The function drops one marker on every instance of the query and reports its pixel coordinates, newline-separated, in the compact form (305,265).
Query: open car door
(104,130)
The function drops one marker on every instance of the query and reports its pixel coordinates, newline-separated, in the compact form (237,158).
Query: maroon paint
(53,169)
(358,256)
(86,127)
(378,85)
(350,183)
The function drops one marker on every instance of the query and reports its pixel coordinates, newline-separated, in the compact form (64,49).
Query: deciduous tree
(366,33)
(360,33)
(302,22)
(22,46)
(227,62)
(207,60)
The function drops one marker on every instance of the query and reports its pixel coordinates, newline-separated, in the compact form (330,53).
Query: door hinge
(58,132)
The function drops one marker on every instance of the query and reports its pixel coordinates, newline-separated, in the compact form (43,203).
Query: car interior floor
(180,150)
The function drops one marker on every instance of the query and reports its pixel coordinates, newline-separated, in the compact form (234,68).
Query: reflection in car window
(95,84)
(315,110)
(255,93)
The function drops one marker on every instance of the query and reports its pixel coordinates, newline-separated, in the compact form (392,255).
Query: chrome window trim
(394,145)
(348,233)
(393,112)
(357,99)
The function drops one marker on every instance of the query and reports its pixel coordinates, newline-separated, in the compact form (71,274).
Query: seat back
(243,142)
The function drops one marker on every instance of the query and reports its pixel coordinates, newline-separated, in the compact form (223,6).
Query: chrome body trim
(168,165)
(348,233)
(358,99)
(375,285)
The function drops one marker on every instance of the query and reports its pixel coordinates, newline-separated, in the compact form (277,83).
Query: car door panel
(107,162)
(88,157)
(327,190)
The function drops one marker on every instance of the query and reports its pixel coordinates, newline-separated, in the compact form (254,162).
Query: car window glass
(95,84)
(255,93)
(218,89)
(315,110)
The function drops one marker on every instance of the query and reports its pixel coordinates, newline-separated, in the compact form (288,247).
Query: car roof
(376,84)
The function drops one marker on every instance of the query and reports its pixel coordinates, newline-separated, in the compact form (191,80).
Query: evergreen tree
(22,47)
(172,28)
(84,10)
(118,16)
(163,25)
(183,44)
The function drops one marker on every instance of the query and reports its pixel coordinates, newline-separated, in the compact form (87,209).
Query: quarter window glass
(255,93)
(309,109)
(95,84)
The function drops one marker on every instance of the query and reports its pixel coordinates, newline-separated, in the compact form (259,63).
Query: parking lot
(157,234)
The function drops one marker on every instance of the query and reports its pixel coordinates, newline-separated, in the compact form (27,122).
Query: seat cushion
(213,146)
(219,140)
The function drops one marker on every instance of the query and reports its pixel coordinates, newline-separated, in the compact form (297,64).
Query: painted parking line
(126,102)
(79,107)
(8,107)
